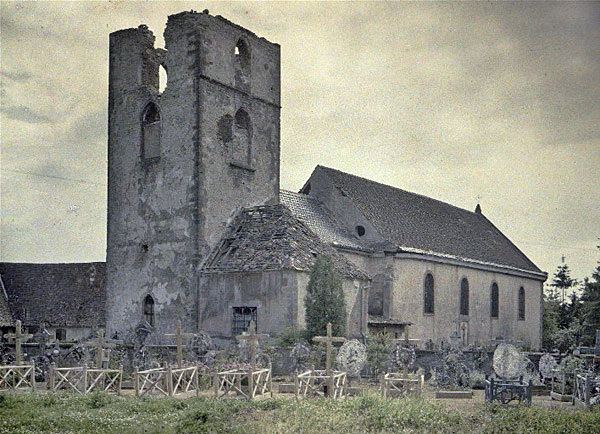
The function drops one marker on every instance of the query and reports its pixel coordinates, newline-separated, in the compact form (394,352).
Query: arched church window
(428,303)
(464,296)
(241,63)
(150,132)
(242,138)
(521,303)
(149,310)
(494,301)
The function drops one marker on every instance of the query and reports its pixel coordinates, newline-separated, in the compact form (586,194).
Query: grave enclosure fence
(586,389)
(395,384)
(17,377)
(316,382)
(166,381)
(245,383)
(83,380)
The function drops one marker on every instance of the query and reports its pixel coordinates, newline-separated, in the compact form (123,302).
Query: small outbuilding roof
(6,319)
(270,237)
(60,295)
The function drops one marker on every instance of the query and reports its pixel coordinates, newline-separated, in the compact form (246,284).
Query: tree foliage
(378,352)
(572,321)
(591,306)
(324,301)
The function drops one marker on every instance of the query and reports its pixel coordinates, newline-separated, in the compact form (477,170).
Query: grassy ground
(101,413)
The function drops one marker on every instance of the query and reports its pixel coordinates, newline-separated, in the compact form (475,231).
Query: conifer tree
(591,306)
(561,283)
(324,301)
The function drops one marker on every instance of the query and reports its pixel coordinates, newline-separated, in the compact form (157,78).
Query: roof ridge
(397,188)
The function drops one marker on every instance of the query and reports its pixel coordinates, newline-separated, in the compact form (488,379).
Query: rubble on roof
(270,237)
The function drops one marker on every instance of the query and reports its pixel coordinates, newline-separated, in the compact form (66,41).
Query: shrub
(324,301)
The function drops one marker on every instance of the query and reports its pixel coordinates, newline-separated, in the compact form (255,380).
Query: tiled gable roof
(269,237)
(6,319)
(311,212)
(61,295)
(413,221)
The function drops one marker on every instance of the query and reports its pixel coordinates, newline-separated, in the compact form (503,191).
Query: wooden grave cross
(100,345)
(329,340)
(252,337)
(180,336)
(406,341)
(19,337)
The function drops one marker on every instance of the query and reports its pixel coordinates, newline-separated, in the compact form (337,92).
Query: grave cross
(19,337)
(406,341)
(43,337)
(179,337)
(329,339)
(252,337)
(100,345)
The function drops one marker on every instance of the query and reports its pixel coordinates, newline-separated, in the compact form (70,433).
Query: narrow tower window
(149,310)
(151,132)
(521,303)
(428,306)
(464,297)
(241,62)
(242,138)
(494,301)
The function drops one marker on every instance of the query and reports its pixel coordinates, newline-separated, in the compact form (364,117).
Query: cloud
(24,114)
(16,76)
(452,100)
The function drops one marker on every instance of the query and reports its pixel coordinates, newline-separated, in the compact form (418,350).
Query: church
(200,231)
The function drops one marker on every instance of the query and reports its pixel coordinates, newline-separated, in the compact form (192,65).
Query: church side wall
(408,303)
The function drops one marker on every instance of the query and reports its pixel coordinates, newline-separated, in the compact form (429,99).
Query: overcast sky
(496,102)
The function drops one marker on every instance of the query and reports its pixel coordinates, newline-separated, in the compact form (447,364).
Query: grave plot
(351,359)
(586,390)
(19,376)
(84,379)
(508,365)
(396,384)
(247,383)
(168,380)
(328,382)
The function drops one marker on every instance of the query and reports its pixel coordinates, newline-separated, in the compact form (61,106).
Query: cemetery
(332,368)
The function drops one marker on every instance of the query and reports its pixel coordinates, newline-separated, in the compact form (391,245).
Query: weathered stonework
(166,213)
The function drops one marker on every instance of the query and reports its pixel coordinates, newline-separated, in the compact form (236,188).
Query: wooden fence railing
(17,377)
(243,383)
(586,389)
(396,384)
(83,380)
(560,387)
(315,382)
(166,381)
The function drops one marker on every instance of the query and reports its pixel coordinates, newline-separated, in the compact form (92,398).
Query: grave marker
(100,345)
(179,335)
(329,340)
(406,341)
(252,338)
(19,337)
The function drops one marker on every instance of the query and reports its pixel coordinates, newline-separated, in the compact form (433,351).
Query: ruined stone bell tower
(181,162)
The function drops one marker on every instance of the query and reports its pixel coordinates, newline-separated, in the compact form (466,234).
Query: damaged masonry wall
(167,208)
